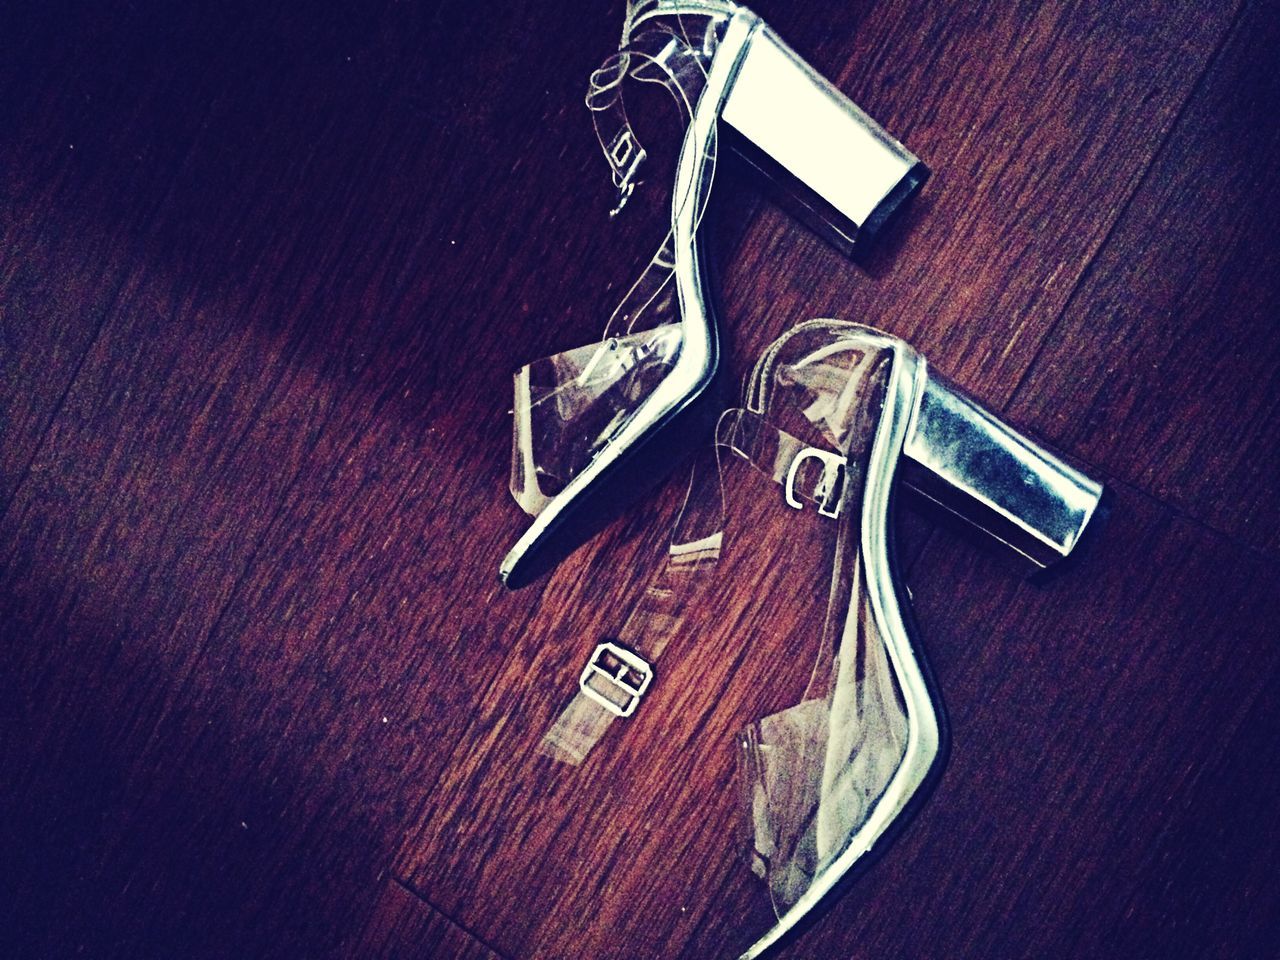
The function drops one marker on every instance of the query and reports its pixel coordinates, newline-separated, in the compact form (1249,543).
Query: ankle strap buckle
(616,678)
(826,493)
(625,157)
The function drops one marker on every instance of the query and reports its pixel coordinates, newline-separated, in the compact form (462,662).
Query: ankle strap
(654,55)
(807,474)
(620,670)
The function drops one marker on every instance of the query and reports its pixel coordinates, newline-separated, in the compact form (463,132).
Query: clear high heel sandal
(596,425)
(808,469)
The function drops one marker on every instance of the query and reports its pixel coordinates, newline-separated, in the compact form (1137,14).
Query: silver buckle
(629,675)
(625,158)
(829,488)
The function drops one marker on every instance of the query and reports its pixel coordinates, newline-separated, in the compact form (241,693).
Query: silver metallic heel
(976,467)
(837,162)
(720,62)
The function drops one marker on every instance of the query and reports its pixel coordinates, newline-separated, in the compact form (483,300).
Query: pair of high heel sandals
(835,415)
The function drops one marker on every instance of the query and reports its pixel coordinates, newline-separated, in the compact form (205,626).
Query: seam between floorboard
(452,921)
(62,398)
(1193,91)
(1175,511)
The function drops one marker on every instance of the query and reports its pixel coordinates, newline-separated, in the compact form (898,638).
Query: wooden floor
(265,272)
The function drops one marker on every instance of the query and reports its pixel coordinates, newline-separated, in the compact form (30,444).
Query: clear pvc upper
(831,727)
(812,768)
(569,406)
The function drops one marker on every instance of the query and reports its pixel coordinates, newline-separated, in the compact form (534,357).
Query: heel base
(841,166)
(973,465)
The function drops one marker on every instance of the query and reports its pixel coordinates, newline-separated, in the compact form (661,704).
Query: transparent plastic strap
(692,556)
(658,618)
(662,53)
(658,55)
(812,773)
(569,406)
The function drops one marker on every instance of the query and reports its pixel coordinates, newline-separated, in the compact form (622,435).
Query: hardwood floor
(265,272)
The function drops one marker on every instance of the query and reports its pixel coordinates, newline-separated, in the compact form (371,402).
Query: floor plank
(154,808)
(1219,899)
(1020,275)
(215,646)
(1039,122)
(1163,370)
(256,334)
(1129,660)
(404,927)
(91,113)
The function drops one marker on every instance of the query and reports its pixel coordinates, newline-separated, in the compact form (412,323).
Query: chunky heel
(846,173)
(838,414)
(978,468)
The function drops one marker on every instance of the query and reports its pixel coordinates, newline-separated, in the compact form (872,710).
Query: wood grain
(1164,367)
(264,274)
(404,927)
(97,84)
